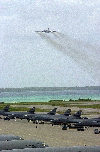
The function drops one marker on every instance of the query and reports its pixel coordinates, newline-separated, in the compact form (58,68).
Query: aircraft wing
(38,31)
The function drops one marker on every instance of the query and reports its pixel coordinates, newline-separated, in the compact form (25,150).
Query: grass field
(80,103)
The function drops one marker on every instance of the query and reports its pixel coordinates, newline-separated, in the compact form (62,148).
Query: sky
(70,57)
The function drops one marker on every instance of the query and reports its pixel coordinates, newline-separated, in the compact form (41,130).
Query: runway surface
(51,135)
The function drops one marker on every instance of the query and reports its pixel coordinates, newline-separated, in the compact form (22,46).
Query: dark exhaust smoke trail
(90,55)
(51,42)
(74,54)
(78,42)
(56,34)
(61,47)
(66,47)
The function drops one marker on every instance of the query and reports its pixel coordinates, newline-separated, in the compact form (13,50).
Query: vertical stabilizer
(52,112)
(32,110)
(67,112)
(78,113)
(6,108)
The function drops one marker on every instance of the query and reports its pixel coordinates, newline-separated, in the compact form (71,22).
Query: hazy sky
(70,57)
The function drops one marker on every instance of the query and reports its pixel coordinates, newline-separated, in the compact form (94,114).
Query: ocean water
(46,94)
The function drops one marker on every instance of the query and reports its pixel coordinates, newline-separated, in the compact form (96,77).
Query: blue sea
(47,94)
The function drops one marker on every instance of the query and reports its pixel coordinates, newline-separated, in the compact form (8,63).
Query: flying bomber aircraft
(46,31)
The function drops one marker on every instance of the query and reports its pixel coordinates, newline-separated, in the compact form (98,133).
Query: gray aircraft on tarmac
(39,116)
(24,115)
(77,123)
(46,31)
(5,109)
(4,137)
(96,119)
(48,116)
(12,115)
(68,119)
(59,149)
(21,144)
(93,122)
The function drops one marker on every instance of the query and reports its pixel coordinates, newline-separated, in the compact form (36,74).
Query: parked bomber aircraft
(78,123)
(6,109)
(9,137)
(88,123)
(26,115)
(59,149)
(16,144)
(46,31)
(68,119)
(96,119)
(11,115)
(40,116)
(81,123)
(47,117)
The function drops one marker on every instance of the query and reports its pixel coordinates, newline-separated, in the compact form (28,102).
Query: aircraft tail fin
(67,112)
(78,113)
(32,110)
(6,108)
(52,112)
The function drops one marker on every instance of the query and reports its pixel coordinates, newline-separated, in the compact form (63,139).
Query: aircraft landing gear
(64,127)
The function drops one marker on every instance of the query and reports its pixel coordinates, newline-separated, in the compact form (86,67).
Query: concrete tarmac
(51,135)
